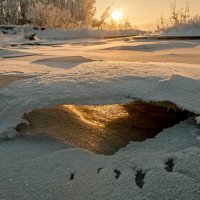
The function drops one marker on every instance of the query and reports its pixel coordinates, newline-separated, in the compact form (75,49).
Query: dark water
(103,129)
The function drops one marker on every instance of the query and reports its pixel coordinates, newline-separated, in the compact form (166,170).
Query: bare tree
(174,14)
(184,14)
(105,15)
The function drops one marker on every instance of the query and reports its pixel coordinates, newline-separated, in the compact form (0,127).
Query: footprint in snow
(72,176)
(117,173)
(99,170)
(169,165)
(139,178)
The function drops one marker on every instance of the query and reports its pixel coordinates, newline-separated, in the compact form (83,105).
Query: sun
(116,15)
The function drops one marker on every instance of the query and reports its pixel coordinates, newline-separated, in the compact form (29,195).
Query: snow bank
(78,34)
(19,32)
(190,29)
(7,39)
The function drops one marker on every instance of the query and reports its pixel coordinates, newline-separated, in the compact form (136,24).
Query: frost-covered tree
(76,11)
(49,16)
(13,11)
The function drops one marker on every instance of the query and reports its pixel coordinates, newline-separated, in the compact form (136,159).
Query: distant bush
(179,17)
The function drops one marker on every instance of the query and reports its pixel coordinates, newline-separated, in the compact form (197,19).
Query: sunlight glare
(116,15)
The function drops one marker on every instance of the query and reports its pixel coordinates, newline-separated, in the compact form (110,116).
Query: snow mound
(185,88)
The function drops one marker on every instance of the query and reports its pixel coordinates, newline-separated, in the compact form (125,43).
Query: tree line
(59,13)
(66,14)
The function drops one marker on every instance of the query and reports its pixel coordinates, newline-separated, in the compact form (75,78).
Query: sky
(140,12)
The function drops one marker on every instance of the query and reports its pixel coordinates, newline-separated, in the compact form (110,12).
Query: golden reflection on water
(103,129)
(97,116)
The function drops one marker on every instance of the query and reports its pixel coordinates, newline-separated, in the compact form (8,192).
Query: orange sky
(146,11)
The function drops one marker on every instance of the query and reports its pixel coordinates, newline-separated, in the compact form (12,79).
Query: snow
(190,29)
(17,36)
(46,174)
(74,34)
(198,120)
(96,83)
(40,167)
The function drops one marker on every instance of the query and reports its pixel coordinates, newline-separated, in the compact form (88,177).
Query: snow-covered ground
(18,34)
(42,168)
